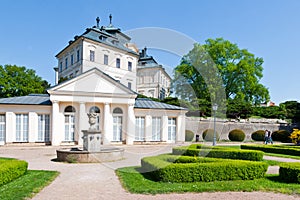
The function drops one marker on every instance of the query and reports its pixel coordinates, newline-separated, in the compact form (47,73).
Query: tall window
(77,56)
(43,128)
(129,66)
(117,124)
(156,128)
(92,55)
(118,63)
(22,127)
(2,128)
(60,66)
(95,109)
(105,59)
(129,85)
(171,129)
(66,63)
(139,128)
(72,59)
(69,123)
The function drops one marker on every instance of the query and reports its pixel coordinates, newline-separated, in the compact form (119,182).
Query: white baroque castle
(100,71)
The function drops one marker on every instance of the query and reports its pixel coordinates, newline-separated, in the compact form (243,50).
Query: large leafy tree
(292,110)
(20,81)
(239,71)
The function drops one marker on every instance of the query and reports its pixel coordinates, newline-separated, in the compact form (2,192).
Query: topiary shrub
(258,135)
(170,168)
(281,136)
(236,135)
(11,169)
(208,135)
(189,135)
(290,172)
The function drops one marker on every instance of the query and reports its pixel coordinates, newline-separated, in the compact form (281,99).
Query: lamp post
(215,108)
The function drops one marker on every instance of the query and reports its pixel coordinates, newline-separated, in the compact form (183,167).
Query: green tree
(239,71)
(292,110)
(19,81)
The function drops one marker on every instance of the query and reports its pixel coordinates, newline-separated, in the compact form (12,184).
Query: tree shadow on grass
(147,175)
(276,178)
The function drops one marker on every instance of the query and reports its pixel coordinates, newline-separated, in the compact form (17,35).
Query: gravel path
(98,181)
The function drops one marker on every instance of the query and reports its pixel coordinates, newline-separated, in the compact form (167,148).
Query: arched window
(70,109)
(117,124)
(69,123)
(117,111)
(95,109)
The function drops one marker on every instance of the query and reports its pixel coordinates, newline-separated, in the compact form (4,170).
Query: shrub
(208,135)
(281,136)
(279,149)
(290,172)
(258,135)
(11,169)
(295,136)
(189,135)
(205,151)
(190,169)
(236,135)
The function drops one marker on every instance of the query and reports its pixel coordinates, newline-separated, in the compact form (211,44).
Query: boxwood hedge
(11,169)
(218,152)
(280,149)
(290,172)
(171,168)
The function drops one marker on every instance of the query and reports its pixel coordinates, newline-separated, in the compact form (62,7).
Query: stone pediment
(93,81)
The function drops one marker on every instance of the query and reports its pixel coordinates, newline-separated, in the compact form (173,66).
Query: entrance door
(69,127)
(117,128)
(21,127)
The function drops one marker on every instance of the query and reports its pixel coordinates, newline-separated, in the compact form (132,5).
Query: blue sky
(33,32)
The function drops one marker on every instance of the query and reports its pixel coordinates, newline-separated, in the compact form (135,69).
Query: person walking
(266,136)
(270,137)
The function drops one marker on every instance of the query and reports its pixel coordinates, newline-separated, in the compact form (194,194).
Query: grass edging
(135,182)
(27,185)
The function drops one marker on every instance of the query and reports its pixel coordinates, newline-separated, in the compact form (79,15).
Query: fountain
(93,151)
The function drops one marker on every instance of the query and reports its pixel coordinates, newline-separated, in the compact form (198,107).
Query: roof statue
(98,21)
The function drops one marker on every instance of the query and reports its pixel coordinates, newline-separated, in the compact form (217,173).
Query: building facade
(100,68)
(152,79)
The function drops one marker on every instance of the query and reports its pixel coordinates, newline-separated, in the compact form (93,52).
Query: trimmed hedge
(11,169)
(290,172)
(258,135)
(236,135)
(189,136)
(189,169)
(217,152)
(208,135)
(281,136)
(279,149)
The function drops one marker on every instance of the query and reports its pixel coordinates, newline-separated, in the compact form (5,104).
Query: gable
(92,81)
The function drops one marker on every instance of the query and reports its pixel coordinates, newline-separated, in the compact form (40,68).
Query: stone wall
(223,126)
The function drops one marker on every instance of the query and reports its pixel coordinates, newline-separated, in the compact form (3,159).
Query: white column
(81,121)
(148,128)
(10,127)
(56,135)
(33,126)
(180,128)
(164,132)
(130,125)
(107,125)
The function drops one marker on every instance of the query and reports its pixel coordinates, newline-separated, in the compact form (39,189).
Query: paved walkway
(98,181)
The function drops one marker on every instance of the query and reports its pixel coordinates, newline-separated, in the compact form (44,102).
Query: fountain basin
(76,155)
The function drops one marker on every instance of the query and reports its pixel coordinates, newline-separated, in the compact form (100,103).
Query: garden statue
(92,120)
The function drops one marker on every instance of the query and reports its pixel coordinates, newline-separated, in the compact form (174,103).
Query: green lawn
(27,185)
(135,182)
